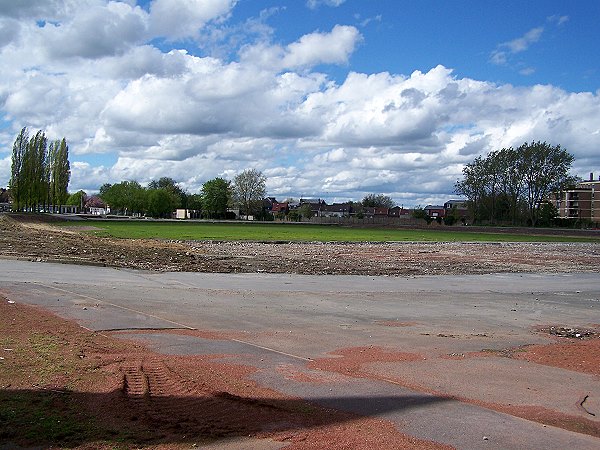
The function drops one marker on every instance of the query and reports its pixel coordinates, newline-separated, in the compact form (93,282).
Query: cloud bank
(93,72)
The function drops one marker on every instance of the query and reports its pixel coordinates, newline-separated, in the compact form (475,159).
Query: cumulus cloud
(173,113)
(97,31)
(178,19)
(43,9)
(334,47)
(322,48)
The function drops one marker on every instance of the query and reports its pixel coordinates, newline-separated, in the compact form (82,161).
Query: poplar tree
(17,184)
(60,172)
(39,175)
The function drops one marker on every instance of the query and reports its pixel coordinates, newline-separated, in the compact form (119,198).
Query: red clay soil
(571,354)
(64,386)
(580,356)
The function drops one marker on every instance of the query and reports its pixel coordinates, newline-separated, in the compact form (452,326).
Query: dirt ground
(62,386)
(93,390)
(34,239)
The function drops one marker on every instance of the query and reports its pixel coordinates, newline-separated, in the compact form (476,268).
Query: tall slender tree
(60,172)
(35,171)
(17,182)
(39,175)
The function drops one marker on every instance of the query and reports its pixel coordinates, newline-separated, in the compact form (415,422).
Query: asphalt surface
(280,323)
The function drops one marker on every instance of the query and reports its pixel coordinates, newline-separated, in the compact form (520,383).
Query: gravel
(25,237)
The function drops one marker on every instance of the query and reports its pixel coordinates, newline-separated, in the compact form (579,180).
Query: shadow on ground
(67,418)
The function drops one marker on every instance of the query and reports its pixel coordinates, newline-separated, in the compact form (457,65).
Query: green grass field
(291,232)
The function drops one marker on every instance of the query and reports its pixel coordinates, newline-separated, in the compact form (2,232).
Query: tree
(17,180)
(305,211)
(60,172)
(215,198)
(179,197)
(545,169)
(160,203)
(39,176)
(378,201)
(194,202)
(79,198)
(128,197)
(249,189)
(420,213)
(511,184)
(4,195)
(473,186)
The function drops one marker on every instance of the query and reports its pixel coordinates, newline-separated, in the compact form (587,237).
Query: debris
(566,332)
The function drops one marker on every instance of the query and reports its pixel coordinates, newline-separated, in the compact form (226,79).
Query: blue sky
(329,98)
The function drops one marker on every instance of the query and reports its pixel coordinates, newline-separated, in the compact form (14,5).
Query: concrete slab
(288,320)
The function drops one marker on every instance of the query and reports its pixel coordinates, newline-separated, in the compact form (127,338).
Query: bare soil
(34,238)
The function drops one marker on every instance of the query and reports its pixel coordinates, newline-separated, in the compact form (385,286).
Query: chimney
(591,176)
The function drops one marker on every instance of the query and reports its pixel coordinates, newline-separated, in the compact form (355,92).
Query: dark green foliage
(39,176)
(160,203)
(127,197)
(420,213)
(510,185)
(77,199)
(216,194)
(178,195)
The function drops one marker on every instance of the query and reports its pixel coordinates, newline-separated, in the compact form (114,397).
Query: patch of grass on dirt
(51,417)
(304,233)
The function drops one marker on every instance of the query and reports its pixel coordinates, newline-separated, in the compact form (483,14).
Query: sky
(331,99)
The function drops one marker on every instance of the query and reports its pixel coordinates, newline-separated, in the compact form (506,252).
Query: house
(400,211)
(582,202)
(99,211)
(435,211)
(315,204)
(277,207)
(456,204)
(336,210)
(369,211)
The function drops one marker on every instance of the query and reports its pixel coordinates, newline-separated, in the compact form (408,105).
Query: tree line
(511,185)
(161,197)
(40,173)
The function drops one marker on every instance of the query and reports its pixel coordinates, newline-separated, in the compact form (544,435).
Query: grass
(292,232)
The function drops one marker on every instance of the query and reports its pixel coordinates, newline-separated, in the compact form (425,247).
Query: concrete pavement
(279,323)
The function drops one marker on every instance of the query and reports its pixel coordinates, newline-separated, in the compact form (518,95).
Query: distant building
(399,211)
(336,210)
(435,211)
(582,202)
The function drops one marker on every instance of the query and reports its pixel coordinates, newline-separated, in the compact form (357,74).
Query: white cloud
(179,19)
(524,42)
(500,55)
(43,9)
(314,4)
(95,32)
(322,48)
(558,20)
(172,113)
